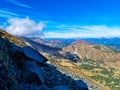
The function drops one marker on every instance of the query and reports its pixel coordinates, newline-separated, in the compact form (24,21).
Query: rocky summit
(23,68)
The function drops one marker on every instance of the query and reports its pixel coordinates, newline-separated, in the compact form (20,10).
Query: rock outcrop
(23,68)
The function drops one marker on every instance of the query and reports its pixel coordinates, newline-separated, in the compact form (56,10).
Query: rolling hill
(98,62)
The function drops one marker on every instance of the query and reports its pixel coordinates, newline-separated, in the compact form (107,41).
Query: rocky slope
(58,60)
(97,63)
(23,68)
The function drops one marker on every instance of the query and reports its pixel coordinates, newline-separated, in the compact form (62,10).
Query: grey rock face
(23,68)
(33,54)
(32,66)
(61,87)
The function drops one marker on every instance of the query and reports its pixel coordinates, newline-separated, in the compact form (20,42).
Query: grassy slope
(99,62)
(12,38)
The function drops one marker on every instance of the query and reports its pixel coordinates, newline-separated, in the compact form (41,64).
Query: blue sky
(61,18)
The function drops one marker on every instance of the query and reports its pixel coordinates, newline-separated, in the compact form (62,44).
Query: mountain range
(86,63)
(98,62)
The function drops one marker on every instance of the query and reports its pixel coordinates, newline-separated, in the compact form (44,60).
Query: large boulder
(61,87)
(81,84)
(33,54)
(32,66)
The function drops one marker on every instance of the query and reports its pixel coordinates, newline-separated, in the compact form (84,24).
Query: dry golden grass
(72,67)
(85,50)
(66,63)
(12,38)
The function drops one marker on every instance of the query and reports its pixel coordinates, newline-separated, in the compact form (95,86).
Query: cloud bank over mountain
(24,27)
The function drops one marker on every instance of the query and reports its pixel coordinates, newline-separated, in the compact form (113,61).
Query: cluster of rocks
(23,68)
(79,79)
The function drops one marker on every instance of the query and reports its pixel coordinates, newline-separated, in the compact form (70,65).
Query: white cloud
(93,31)
(19,4)
(102,31)
(24,27)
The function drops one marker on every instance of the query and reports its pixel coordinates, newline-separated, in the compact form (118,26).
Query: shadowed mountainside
(65,61)
(23,68)
(96,63)
(40,47)
(51,43)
